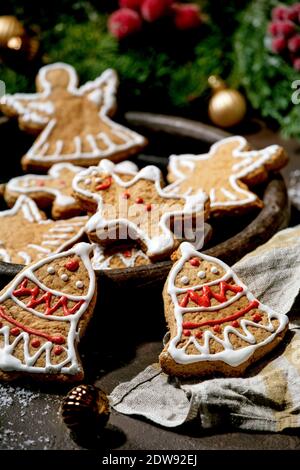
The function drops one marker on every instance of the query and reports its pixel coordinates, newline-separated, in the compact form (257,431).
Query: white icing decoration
(87,181)
(214,270)
(232,357)
(100,262)
(50,270)
(184,280)
(102,88)
(158,244)
(61,234)
(68,365)
(247,162)
(201,274)
(21,184)
(64,277)
(79,284)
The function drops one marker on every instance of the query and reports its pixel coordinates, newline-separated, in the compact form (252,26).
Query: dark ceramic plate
(168,134)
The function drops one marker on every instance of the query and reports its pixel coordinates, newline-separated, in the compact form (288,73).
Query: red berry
(285,28)
(124,22)
(292,13)
(294,43)
(133,4)
(273,28)
(187,16)
(278,45)
(296,64)
(279,13)
(152,10)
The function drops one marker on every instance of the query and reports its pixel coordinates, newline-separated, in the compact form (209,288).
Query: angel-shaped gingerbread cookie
(26,235)
(43,313)
(225,173)
(136,208)
(216,324)
(74,122)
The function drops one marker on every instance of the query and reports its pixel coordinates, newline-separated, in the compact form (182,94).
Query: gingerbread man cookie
(74,122)
(43,313)
(26,235)
(137,209)
(225,172)
(216,324)
(54,190)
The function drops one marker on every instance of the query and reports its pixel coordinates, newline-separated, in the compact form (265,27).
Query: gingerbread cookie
(74,123)
(118,257)
(43,312)
(26,235)
(216,324)
(136,208)
(225,172)
(54,190)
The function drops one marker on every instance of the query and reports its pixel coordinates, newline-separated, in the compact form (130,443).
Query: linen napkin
(268,397)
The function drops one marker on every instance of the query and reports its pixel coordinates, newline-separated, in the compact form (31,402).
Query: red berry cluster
(285,32)
(128,19)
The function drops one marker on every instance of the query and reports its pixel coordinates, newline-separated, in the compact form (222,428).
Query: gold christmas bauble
(227,107)
(10,27)
(85,409)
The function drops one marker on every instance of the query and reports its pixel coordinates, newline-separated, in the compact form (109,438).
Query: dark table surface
(29,415)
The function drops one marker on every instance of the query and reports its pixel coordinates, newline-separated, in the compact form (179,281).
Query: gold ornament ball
(227,108)
(85,409)
(10,27)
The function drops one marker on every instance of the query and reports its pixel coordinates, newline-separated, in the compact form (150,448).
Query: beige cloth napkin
(268,398)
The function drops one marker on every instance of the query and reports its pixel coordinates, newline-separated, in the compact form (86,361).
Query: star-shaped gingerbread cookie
(136,208)
(73,123)
(225,173)
(26,235)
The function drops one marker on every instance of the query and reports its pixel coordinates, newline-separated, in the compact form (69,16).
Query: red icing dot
(217,328)
(127,253)
(186,332)
(35,343)
(126,195)
(15,331)
(256,317)
(235,324)
(72,265)
(199,334)
(139,200)
(148,207)
(105,185)
(62,183)
(194,262)
(57,350)
(58,339)
(40,183)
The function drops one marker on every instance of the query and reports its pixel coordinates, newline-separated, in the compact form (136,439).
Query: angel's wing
(102,91)
(33,110)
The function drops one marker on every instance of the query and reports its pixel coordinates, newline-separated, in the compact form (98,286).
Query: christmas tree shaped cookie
(43,312)
(225,173)
(73,122)
(215,323)
(136,208)
(26,235)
